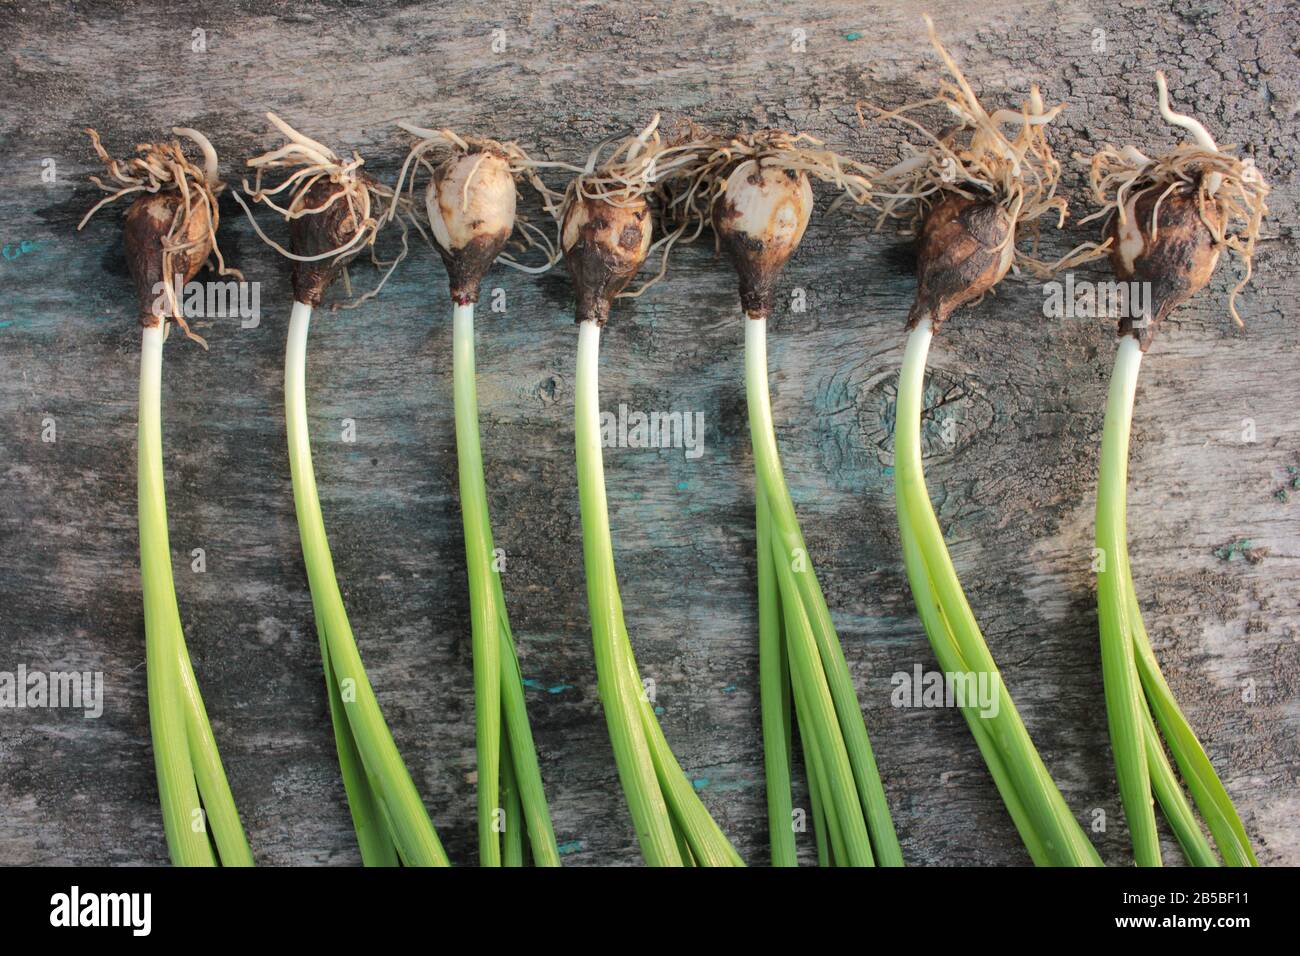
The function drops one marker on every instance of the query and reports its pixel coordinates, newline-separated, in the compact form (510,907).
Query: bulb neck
(468,265)
(599,275)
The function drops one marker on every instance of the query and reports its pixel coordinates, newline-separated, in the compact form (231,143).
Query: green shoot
(328,203)
(469,208)
(605,231)
(663,803)
(390,820)
(505,746)
(199,815)
(1050,832)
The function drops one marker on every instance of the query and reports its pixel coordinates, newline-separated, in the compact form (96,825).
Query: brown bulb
(604,246)
(760,217)
(147,224)
(316,233)
(959,259)
(1175,266)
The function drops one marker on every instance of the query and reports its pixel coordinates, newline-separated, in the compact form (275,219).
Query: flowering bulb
(966,248)
(604,246)
(471,206)
(760,217)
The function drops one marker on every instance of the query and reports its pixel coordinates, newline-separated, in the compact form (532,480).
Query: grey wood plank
(1014,493)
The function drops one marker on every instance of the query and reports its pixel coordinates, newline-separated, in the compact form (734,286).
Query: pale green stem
(523,752)
(1124,703)
(517,754)
(636,768)
(218,802)
(1059,838)
(950,659)
(394,792)
(1206,788)
(774,692)
(482,594)
(186,830)
(828,665)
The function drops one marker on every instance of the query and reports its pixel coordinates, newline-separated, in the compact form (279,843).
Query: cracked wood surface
(1212,519)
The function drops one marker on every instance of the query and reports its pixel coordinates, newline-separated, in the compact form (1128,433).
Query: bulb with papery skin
(760,217)
(317,233)
(147,224)
(471,207)
(1176,264)
(964,251)
(604,246)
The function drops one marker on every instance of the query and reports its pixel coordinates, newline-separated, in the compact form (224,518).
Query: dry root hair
(1003,156)
(1233,186)
(309,162)
(160,168)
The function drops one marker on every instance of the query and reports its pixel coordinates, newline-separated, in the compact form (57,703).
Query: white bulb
(770,204)
(471,195)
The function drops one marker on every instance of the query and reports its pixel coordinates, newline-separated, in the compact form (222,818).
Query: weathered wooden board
(1014,492)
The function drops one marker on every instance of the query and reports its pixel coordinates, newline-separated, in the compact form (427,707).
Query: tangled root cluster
(979,158)
(164,169)
(319,183)
(1229,191)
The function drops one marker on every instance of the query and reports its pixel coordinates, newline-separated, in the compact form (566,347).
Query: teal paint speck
(531,682)
(659,711)
(699,783)
(6,324)
(571,846)
(16,250)
(682,485)
(729,689)
(853,36)
(558,688)
(887,470)
(1233,549)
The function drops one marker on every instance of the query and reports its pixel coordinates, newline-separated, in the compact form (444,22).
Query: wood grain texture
(1014,492)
